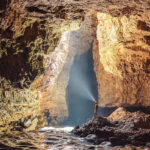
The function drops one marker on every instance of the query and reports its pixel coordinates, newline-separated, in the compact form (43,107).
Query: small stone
(91,138)
(33,125)
(106,143)
(27,123)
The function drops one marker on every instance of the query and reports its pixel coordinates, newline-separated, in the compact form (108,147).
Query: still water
(53,138)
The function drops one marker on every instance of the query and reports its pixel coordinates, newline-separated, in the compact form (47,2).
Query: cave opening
(82,89)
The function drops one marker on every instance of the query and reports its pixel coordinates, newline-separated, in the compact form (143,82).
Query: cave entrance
(82,87)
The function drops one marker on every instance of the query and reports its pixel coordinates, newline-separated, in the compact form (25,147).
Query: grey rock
(91,137)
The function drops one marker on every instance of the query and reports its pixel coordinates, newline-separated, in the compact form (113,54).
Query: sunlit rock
(38,43)
(53,83)
(139,119)
(122,64)
(28,35)
(32,126)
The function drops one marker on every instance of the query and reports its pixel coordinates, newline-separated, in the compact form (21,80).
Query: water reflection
(52,138)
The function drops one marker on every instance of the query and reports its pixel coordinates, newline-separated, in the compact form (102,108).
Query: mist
(82,89)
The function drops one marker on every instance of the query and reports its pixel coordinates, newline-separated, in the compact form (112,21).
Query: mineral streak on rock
(124,53)
(54,81)
(31,30)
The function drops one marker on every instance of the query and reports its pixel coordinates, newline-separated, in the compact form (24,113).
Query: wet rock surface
(130,128)
(51,138)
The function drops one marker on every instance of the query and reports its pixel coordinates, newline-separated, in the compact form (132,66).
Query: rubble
(128,129)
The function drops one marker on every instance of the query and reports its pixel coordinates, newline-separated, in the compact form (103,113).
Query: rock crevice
(31,30)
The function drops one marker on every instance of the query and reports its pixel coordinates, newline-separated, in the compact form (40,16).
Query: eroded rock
(121,61)
(127,129)
(139,119)
(30,32)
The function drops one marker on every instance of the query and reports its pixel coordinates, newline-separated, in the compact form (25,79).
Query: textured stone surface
(124,54)
(139,119)
(54,82)
(120,132)
(31,30)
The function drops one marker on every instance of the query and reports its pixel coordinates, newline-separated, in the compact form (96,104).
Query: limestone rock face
(53,83)
(29,32)
(140,119)
(123,61)
(35,64)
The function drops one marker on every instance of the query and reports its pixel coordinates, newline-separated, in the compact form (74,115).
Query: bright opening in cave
(82,89)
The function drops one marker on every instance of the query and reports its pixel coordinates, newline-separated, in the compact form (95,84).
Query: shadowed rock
(124,128)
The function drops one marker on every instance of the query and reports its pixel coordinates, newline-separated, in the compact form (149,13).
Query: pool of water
(53,138)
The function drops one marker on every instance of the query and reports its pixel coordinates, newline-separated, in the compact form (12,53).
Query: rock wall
(34,62)
(122,64)
(34,73)
(29,32)
(54,82)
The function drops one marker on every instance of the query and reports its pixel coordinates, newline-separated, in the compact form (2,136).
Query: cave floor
(51,138)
